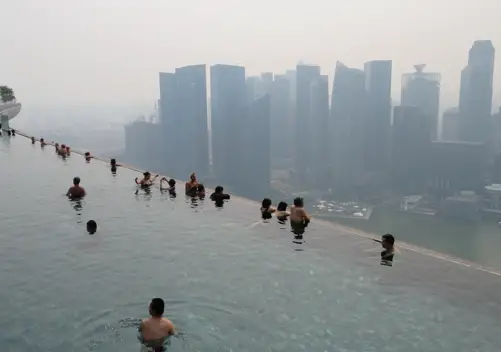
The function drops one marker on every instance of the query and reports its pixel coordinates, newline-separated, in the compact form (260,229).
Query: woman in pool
(146,181)
(192,185)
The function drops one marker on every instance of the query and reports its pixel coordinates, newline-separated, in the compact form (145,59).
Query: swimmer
(154,330)
(91,227)
(114,165)
(201,191)
(282,214)
(219,196)
(146,181)
(68,150)
(299,217)
(388,243)
(267,209)
(192,183)
(56,146)
(88,156)
(42,142)
(13,131)
(171,188)
(76,191)
(33,140)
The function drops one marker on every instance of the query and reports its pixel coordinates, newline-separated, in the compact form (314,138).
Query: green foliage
(7,94)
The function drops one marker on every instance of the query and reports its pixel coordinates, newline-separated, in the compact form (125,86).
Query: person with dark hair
(282,214)
(76,191)
(91,227)
(154,330)
(114,165)
(33,140)
(9,133)
(88,156)
(201,190)
(56,147)
(299,217)
(146,181)
(218,197)
(13,131)
(388,244)
(267,209)
(172,186)
(42,142)
(68,150)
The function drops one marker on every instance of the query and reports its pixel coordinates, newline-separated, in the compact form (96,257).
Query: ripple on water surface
(229,285)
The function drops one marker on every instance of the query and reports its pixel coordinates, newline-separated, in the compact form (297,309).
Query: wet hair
(266,203)
(172,182)
(193,175)
(219,189)
(76,180)
(146,174)
(282,206)
(389,238)
(87,154)
(42,140)
(298,202)
(113,162)
(157,307)
(91,226)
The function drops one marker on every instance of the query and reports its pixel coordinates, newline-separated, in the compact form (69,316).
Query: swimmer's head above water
(282,206)
(298,202)
(387,241)
(91,227)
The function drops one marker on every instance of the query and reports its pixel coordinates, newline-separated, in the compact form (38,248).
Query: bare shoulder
(169,326)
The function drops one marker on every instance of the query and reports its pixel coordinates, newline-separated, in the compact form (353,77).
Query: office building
(255,171)
(305,76)
(319,114)
(475,98)
(228,101)
(378,119)
(281,122)
(348,108)
(422,90)
(411,144)
(450,125)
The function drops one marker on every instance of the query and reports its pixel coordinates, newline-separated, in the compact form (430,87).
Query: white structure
(7,112)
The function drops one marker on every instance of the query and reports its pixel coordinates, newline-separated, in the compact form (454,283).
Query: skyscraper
(348,107)
(422,90)
(378,118)
(255,172)
(191,129)
(410,149)
(319,114)
(228,98)
(281,123)
(167,109)
(475,98)
(305,76)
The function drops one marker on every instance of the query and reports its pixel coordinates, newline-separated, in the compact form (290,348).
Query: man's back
(76,192)
(156,328)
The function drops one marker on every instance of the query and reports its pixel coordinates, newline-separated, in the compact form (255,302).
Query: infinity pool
(230,283)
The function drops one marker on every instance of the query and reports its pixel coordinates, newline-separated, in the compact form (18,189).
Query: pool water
(230,282)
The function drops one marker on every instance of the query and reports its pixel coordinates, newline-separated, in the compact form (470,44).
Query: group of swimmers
(156,329)
(10,132)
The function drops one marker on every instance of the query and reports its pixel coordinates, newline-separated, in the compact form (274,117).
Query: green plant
(7,94)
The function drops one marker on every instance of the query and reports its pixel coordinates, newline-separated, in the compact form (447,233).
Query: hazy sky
(110,51)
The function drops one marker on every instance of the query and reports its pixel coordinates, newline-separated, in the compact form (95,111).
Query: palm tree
(7,94)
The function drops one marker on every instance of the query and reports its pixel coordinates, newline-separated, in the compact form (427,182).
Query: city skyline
(108,52)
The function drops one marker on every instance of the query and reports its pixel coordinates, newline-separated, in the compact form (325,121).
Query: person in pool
(146,181)
(299,217)
(267,209)
(114,165)
(42,142)
(56,147)
(156,329)
(388,252)
(192,184)
(76,191)
(282,214)
(88,156)
(171,183)
(91,227)
(33,140)
(218,197)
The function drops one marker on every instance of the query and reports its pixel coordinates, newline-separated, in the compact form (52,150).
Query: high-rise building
(255,172)
(475,97)
(411,145)
(305,76)
(281,123)
(228,100)
(183,121)
(422,90)
(378,118)
(319,114)
(450,125)
(190,127)
(348,108)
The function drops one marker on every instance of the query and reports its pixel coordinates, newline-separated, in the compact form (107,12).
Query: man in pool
(76,191)
(154,330)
